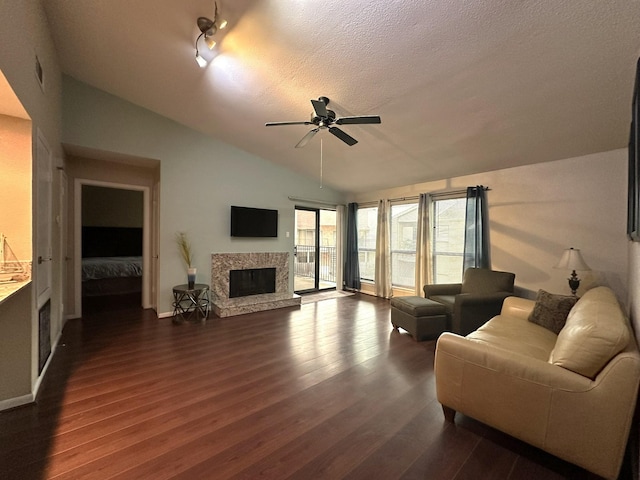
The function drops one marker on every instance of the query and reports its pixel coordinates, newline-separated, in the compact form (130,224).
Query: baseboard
(16,402)
(165,314)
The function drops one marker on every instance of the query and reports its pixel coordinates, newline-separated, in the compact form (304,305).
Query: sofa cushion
(483,280)
(551,311)
(517,336)
(595,331)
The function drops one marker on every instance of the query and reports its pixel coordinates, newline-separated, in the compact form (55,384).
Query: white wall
(200,178)
(23,35)
(537,211)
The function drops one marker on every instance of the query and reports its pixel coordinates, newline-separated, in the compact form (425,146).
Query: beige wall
(537,211)
(111,207)
(25,34)
(15,184)
(15,346)
(634,286)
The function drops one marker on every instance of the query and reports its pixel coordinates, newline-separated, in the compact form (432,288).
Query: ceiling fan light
(210,42)
(223,24)
(201,61)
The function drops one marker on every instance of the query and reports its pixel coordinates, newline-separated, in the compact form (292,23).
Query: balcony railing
(304,264)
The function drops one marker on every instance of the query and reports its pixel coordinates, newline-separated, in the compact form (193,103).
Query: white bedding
(96,268)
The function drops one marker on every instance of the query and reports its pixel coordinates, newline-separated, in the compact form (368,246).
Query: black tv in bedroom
(253,222)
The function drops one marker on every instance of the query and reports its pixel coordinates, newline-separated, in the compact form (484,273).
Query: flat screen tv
(253,222)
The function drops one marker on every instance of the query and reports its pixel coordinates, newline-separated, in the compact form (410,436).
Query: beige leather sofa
(572,394)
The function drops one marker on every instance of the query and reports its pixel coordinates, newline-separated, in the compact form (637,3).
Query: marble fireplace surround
(223,263)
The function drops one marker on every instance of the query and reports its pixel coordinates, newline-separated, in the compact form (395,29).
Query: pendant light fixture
(208,29)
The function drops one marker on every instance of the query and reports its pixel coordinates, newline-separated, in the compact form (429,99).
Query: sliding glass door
(314,250)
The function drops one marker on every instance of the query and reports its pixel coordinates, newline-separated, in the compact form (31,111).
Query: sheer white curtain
(340,220)
(383,251)
(423,244)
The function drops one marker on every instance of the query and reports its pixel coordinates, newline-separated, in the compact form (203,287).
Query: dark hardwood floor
(328,390)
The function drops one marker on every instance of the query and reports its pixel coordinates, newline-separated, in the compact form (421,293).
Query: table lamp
(572,260)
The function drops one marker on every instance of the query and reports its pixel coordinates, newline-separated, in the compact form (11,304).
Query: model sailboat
(11,269)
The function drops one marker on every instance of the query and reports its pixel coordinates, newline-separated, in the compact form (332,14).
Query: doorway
(112,235)
(112,232)
(314,251)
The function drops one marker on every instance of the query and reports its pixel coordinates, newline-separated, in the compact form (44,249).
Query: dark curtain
(351,265)
(476,233)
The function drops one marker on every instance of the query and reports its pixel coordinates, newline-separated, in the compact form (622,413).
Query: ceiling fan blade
(358,120)
(307,137)
(348,139)
(272,124)
(320,108)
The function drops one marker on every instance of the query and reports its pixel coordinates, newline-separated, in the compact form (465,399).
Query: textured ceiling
(462,87)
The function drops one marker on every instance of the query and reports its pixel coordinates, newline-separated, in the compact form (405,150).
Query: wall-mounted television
(253,222)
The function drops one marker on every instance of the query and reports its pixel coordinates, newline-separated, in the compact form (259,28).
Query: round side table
(189,303)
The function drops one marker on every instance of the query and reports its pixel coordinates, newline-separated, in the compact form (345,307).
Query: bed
(111,261)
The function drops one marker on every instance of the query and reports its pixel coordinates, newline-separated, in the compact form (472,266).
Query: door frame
(77,234)
(316,288)
(62,219)
(316,262)
(42,260)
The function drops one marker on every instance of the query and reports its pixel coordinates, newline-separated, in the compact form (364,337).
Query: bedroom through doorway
(112,231)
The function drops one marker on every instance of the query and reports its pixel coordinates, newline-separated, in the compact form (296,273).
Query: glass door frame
(317,247)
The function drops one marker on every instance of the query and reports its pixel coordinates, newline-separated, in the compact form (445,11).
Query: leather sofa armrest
(442,289)
(517,307)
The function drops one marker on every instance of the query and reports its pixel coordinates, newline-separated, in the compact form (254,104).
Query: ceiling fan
(324,118)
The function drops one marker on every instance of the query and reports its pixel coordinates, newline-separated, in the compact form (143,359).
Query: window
(448,239)
(403,231)
(367,225)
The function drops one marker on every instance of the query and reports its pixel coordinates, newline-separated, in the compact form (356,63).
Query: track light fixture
(208,29)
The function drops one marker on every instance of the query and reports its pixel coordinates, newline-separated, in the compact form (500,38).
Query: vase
(191,277)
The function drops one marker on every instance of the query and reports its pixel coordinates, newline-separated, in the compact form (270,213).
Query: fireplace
(228,301)
(251,281)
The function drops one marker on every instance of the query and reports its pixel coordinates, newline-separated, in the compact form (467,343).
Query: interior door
(62,232)
(155,245)
(314,250)
(42,263)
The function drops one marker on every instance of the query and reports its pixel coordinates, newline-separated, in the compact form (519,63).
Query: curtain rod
(317,202)
(455,192)
(416,197)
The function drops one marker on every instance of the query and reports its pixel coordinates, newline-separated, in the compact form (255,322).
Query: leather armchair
(475,301)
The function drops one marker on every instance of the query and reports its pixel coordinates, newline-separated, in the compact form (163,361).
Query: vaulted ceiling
(461,87)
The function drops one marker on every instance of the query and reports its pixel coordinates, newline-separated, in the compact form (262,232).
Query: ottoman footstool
(423,318)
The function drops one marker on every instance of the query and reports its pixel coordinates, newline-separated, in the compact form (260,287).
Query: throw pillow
(551,311)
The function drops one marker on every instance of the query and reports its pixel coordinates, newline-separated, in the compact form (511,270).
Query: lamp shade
(572,260)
